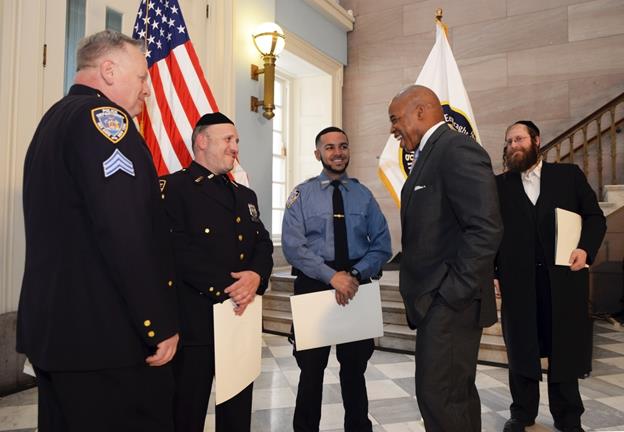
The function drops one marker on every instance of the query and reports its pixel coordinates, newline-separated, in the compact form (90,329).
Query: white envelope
(238,348)
(568,227)
(320,321)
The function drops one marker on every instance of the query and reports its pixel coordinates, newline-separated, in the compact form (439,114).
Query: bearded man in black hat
(221,251)
(544,306)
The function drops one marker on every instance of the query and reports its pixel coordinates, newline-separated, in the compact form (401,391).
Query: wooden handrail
(599,112)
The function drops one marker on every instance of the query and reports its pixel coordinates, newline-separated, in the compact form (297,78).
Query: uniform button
(218,293)
(257,232)
(151,333)
(211,289)
(238,219)
(170,283)
(163,196)
(207,230)
(147,323)
(242,256)
(240,237)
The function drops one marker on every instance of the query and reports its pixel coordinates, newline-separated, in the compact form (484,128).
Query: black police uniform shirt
(98,287)
(215,229)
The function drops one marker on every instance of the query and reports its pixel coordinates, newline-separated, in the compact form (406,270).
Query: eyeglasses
(517,139)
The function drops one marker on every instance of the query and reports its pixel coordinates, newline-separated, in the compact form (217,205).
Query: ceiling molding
(336,13)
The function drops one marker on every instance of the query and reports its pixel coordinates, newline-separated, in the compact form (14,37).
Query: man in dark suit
(221,250)
(97,308)
(451,229)
(544,306)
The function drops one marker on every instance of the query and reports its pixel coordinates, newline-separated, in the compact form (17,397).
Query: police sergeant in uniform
(221,250)
(97,314)
(335,237)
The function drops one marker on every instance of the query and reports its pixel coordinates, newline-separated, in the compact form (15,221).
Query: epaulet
(354,179)
(310,179)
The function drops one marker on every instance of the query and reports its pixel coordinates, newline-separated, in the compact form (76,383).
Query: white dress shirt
(423,141)
(531,181)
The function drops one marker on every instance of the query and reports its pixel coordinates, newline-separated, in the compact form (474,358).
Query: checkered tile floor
(390,384)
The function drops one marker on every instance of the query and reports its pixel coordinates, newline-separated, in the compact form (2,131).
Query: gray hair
(92,47)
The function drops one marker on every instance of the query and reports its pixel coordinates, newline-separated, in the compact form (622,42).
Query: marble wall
(551,61)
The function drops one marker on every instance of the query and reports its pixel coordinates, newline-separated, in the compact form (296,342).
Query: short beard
(528,159)
(333,171)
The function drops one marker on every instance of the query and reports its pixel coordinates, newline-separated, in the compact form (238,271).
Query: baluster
(585,152)
(613,144)
(558,146)
(599,161)
(571,152)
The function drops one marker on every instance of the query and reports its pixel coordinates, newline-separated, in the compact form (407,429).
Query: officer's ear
(317,154)
(107,71)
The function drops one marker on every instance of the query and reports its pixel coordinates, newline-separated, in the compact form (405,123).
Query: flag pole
(438,17)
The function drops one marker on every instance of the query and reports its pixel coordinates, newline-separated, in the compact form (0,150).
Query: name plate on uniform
(320,321)
(238,348)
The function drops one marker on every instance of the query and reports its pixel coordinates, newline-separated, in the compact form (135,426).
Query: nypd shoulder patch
(110,122)
(294,195)
(117,162)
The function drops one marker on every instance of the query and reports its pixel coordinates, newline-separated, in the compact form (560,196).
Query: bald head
(413,111)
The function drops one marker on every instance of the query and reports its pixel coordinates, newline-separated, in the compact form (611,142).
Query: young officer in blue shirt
(335,237)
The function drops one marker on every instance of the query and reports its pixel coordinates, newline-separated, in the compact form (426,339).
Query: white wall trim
(333,11)
(312,55)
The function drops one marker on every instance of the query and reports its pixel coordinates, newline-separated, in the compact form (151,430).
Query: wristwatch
(355,273)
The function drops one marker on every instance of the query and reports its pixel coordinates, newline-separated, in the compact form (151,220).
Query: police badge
(110,122)
(292,198)
(253,212)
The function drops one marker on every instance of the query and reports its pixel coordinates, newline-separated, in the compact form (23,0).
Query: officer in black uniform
(221,250)
(97,306)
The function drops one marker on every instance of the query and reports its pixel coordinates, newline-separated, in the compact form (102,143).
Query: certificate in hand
(238,348)
(568,227)
(320,321)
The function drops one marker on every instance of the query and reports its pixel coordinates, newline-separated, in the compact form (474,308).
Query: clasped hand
(345,285)
(243,291)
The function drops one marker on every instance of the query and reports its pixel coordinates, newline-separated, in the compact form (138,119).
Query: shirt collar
(536,171)
(427,135)
(326,181)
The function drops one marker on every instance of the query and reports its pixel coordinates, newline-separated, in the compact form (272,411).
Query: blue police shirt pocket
(356,220)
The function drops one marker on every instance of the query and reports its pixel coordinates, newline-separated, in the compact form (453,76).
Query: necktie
(341,248)
(416,155)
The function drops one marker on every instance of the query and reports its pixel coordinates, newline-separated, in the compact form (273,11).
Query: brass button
(147,323)
(151,333)
(207,230)
(211,289)
(257,232)
(218,293)
(170,283)
(238,219)
(163,196)
(240,237)
(242,256)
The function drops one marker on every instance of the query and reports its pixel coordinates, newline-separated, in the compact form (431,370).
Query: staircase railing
(585,139)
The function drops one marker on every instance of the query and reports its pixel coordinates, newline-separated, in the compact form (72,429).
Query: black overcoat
(563,186)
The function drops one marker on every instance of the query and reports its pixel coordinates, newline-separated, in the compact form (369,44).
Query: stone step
(390,292)
(393,312)
(608,207)
(614,194)
(276,300)
(494,330)
(276,321)
(282,281)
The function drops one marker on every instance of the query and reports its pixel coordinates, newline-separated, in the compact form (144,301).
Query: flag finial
(439,13)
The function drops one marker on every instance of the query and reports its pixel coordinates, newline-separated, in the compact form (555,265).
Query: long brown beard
(528,159)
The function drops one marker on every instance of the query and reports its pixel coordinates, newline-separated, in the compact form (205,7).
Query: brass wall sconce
(269,41)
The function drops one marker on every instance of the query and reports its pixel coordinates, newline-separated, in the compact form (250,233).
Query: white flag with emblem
(440,74)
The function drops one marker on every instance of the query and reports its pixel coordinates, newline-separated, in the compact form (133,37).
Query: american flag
(179,92)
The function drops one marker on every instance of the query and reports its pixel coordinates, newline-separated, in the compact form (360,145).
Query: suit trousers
(131,399)
(447,346)
(564,400)
(193,368)
(353,358)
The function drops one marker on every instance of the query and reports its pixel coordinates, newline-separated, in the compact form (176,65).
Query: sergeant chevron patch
(117,162)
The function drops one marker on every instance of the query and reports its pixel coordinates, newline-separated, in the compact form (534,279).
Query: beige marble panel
(373,119)
(483,73)
(359,80)
(370,146)
(538,101)
(589,94)
(513,33)
(384,25)
(595,19)
(406,51)
(518,7)
(420,16)
(574,60)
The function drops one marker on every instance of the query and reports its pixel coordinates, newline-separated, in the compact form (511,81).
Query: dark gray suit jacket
(451,227)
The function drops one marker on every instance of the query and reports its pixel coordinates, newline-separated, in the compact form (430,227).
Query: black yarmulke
(212,119)
(530,125)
